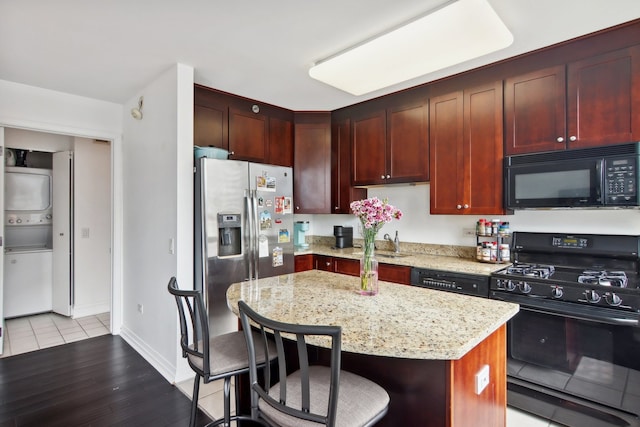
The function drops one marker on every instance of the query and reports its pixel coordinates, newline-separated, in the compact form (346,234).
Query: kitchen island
(424,347)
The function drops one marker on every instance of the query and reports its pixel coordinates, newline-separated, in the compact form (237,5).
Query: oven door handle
(587,313)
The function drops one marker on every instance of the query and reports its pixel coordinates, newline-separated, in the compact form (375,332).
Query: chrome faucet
(396,242)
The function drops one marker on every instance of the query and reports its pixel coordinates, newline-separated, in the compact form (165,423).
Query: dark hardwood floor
(100,381)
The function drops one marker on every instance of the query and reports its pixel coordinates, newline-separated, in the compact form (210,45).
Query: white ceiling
(259,49)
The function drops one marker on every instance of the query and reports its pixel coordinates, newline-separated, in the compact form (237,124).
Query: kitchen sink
(392,254)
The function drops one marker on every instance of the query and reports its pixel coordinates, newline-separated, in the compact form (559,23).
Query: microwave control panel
(621,180)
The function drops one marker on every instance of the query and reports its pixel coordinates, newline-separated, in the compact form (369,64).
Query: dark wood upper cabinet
(280,142)
(210,120)
(342,192)
(408,143)
(210,127)
(535,106)
(248,135)
(391,145)
(312,163)
(466,151)
(250,130)
(446,153)
(604,99)
(369,147)
(587,103)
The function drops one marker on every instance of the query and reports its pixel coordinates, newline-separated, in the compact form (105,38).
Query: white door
(3,330)
(63,232)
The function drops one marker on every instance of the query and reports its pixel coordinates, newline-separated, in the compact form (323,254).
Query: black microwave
(581,178)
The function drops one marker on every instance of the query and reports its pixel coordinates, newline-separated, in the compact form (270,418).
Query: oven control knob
(556,292)
(510,285)
(613,299)
(592,296)
(525,288)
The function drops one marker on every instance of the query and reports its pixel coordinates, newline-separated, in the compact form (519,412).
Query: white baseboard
(154,358)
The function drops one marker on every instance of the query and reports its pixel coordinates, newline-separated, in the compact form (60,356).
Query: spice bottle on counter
(480,227)
(504,229)
(494,251)
(486,252)
(505,252)
(495,224)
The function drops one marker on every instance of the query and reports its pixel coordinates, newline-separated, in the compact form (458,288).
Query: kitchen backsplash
(418,226)
(410,247)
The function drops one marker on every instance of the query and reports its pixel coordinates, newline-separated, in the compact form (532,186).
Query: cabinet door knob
(458,206)
(466,206)
(328,264)
(560,139)
(297,207)
(336,208)
(388,176)
(573,138)
(381,176)
(232,153)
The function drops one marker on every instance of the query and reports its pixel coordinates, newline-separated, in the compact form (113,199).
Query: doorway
(86,228)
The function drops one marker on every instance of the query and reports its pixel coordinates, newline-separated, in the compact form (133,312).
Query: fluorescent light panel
(457,32)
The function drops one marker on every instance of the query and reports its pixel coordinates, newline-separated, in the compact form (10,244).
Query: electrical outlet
(140,308)
(482,379)
(469,232)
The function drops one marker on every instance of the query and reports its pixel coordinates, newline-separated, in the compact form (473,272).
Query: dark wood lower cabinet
(436,393)
(439,393)
(303,262)
(386,272)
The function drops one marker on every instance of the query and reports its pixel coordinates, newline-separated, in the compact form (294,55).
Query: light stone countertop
(401,321)
(414,258)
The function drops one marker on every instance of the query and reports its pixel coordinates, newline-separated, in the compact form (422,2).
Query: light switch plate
(482,379)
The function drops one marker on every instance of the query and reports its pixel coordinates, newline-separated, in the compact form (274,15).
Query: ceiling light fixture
(458,31)
(136,113)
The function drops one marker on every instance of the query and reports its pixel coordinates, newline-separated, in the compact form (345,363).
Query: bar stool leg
(194,401)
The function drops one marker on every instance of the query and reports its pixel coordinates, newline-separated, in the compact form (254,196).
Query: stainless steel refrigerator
(243,229)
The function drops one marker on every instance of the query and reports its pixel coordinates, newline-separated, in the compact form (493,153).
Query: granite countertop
(401,321)
(415,257)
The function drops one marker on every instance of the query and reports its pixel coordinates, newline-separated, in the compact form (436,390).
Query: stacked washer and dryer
(28,263)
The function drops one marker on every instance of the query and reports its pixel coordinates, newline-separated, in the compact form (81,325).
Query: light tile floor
(24,334)
(211,402)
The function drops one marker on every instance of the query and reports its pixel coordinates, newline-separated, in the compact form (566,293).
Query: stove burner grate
(606,278)
(533,270)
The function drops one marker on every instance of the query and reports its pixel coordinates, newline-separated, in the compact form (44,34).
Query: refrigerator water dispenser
(229,234)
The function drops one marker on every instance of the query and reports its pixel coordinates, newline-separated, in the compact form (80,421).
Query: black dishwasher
(462,283)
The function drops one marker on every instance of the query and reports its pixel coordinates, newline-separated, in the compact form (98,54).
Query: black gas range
(582,275)
(574,348)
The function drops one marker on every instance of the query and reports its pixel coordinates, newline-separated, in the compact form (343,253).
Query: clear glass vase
(368,268)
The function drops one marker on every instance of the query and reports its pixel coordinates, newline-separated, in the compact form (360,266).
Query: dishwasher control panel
(468,284)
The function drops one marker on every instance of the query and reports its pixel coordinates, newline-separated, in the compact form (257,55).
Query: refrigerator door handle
(256,233)
(249,223)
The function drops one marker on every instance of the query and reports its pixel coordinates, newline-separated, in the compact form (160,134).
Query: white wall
(92,214)
(38,141)
(158,205)
(417,225)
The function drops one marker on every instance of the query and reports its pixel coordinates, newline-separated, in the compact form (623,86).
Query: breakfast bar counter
(423,346)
